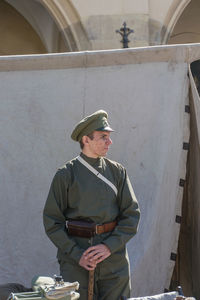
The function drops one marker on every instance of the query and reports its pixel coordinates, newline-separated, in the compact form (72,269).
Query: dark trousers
(111,281)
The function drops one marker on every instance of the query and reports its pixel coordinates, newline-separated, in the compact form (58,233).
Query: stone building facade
(46,26)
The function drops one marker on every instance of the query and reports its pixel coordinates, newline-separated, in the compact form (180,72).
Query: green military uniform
(76,193)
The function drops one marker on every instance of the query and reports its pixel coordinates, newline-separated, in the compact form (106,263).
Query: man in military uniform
(94,197)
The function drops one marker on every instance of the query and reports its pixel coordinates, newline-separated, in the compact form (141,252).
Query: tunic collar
(92,161)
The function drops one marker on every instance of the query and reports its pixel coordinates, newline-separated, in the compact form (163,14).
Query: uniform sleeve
(54,218)
(129,215)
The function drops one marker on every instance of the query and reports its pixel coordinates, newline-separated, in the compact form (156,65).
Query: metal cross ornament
(125,31)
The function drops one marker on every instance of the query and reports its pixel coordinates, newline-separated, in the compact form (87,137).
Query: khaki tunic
(76,193)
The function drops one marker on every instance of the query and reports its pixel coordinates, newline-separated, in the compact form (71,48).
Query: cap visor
(107,128)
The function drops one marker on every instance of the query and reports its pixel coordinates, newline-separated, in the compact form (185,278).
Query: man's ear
(85,139)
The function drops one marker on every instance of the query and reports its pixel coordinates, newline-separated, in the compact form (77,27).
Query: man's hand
(86,264)
(96,254)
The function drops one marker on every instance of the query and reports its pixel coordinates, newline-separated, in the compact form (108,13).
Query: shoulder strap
(100,176)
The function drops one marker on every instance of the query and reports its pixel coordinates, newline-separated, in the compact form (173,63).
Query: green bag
(47,288)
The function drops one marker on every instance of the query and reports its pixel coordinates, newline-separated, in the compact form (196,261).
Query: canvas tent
(146,92)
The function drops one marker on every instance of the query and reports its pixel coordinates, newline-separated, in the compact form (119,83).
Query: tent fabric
(191,238)
(194,191)
(164,296)
(145,92)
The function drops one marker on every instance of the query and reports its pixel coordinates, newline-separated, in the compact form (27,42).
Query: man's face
(99,145)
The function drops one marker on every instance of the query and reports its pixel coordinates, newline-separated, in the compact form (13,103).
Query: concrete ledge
(87,59)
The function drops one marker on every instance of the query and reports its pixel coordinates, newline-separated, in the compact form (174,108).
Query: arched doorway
(16,34)
(69,23)
(42,26)
(187,28)
(42,22)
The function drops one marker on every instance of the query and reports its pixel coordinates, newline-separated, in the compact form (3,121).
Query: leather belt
(88,229)
(107,227)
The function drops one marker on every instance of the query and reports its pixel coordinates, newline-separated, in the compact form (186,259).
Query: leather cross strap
(100,176)
(107,227)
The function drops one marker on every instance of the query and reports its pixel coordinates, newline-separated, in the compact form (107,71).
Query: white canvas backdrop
(38,109)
